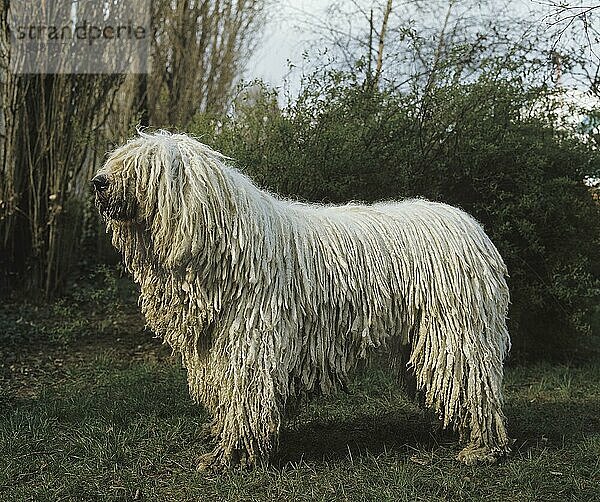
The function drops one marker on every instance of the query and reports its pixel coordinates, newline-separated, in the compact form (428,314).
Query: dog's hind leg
(458,368)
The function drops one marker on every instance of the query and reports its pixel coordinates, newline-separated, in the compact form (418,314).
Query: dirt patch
(28,369)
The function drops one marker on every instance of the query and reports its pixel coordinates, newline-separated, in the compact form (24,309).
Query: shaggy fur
(269,300)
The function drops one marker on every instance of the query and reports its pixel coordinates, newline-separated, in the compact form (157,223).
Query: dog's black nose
(100,183)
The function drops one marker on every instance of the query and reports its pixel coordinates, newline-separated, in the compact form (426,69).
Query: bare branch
(386,16)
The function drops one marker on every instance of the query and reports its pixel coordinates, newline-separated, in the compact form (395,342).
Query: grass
(108,417)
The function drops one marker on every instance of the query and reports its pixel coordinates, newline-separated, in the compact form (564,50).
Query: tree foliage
(55,128)
(199,51)
(50,136)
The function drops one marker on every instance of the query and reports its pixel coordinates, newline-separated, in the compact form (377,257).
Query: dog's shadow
(552,425)
(530,425)
(372,434)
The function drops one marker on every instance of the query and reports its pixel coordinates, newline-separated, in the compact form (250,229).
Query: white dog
(270,300)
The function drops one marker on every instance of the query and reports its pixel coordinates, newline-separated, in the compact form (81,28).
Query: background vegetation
(56,128)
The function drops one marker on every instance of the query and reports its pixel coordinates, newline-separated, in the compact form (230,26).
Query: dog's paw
(473,454)
(211,463)
(216,461)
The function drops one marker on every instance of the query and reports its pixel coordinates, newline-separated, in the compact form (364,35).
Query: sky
(283,40)
(287,35)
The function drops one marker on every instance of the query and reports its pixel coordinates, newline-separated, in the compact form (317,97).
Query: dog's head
(167,184)
(128,184)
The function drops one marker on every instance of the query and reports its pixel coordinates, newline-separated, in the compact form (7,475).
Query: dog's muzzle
(100,186)
(115,208)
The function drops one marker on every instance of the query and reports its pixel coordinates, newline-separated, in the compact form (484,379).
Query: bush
(483,146)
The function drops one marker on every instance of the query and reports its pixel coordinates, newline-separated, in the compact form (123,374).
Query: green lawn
(108,417)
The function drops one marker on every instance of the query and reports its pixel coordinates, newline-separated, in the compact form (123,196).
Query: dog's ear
(171,222)
(191,203)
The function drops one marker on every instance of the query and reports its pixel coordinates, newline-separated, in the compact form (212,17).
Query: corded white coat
(268,300)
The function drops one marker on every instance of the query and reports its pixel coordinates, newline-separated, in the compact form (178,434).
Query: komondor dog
(269,300)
